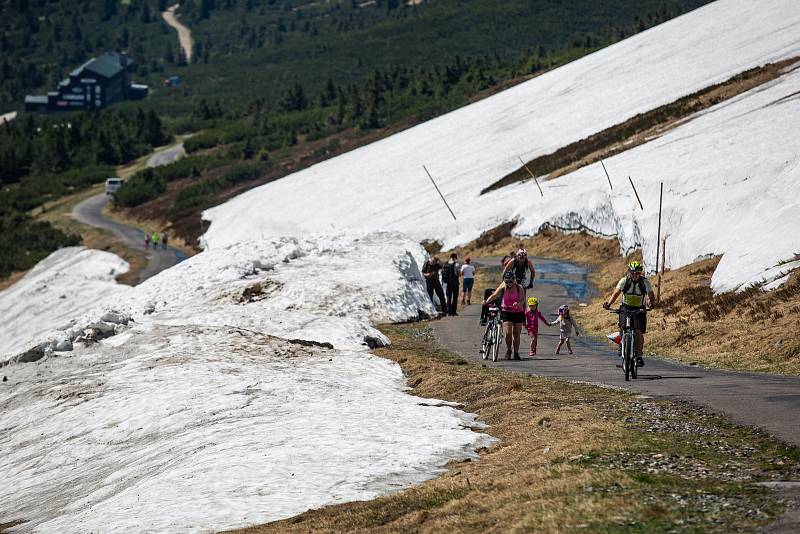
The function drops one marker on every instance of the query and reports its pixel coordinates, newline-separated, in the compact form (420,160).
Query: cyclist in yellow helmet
(634,288)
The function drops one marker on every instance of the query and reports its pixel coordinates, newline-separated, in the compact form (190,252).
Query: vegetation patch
(569,457)
(641,128)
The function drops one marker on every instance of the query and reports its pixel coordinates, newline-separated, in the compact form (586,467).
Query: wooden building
(98,83)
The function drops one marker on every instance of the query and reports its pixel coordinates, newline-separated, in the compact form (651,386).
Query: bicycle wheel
(496,337)
(627,351)
(486,342)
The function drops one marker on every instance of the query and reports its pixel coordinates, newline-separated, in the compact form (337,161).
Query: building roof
(106,65)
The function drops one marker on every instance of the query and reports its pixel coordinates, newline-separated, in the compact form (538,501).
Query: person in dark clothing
(430,270)
(450,274)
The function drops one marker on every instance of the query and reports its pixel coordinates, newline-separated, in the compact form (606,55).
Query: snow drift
(383,185)
(241,392)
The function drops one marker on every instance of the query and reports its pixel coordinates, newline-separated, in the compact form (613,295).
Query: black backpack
(629,283)
(449,272)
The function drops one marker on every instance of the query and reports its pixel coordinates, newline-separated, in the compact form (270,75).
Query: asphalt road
(167,156)
(90,212)
(769,402)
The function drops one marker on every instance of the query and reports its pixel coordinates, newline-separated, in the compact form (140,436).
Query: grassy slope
(569,457)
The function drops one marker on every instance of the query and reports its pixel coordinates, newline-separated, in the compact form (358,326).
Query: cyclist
(519,266)
(634,287)
(512,311)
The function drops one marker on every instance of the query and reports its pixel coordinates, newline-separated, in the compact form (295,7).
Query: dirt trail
(184,34)
(769,402)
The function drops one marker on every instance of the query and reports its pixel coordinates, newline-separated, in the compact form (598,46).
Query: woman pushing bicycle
(512,310)
(634,287)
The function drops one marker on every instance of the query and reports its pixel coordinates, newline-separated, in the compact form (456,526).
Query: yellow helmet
(533,301)
(635,266)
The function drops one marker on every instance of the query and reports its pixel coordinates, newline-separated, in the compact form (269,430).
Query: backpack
(449,272)
(629,284)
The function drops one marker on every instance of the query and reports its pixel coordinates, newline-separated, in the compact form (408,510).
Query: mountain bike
(628,343)
(492,336)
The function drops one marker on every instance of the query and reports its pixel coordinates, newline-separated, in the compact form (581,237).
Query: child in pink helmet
(532,318)
(566,324)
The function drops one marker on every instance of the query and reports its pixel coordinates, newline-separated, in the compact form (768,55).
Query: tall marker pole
(636,192)
(607,176)
(658,239)
(440,193)
(532,176)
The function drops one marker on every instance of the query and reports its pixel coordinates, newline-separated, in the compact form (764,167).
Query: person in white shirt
(468,279)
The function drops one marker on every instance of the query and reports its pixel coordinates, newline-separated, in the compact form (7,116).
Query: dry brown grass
(541,476)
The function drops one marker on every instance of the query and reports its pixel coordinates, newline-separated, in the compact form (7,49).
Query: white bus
(112,184)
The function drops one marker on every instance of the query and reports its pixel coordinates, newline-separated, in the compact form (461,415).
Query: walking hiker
(164,238)
(512,311)
(566,324)
(519,265)
(154,239)
(146,240)
(450,274)
(532,318)
(468,279)
(430,270)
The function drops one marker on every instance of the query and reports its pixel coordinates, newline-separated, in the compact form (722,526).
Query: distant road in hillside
(770,402)
(90,212)
(184,34)
(167,156)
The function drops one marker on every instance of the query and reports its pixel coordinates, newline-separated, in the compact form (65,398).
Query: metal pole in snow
(532,176)
(663,261)
(636,193)
(440,193)
(607,176)
(658,239)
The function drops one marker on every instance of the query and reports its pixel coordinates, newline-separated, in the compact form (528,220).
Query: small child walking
(532,318)
(566,323)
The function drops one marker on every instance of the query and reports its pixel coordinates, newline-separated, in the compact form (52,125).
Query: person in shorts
(634,288)
(512,311)
(467,281)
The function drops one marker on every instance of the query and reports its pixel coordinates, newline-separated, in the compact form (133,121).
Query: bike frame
(628,343)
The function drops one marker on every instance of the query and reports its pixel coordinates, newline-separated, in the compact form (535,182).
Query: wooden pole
(607,176)
(636,193)
(532,176)
(663,261)
(658,238)
(440,193)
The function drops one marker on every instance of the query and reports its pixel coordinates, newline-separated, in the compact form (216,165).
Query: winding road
(184,34)
(90,212)
(770,402)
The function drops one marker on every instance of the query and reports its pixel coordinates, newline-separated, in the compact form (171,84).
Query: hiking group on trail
(154,238)
(517,309)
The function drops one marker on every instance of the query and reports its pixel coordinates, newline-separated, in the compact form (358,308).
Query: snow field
(383,186)
(195,419)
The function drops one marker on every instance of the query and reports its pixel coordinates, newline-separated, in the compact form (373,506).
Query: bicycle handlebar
(620,311)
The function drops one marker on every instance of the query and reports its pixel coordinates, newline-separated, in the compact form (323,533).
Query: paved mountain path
(770,402)
(166,156)
(184,34)
(90,212)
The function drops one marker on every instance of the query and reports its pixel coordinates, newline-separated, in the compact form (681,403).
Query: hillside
(717,159)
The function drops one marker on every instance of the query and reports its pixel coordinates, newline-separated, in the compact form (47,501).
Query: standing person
(519,267)
(566,324)
(512,311)
(468,280)
(164,238)
(450,273)
(430,270)
(532,318)
(146,240)
(634,287)
(154,239)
